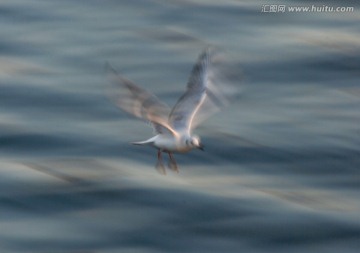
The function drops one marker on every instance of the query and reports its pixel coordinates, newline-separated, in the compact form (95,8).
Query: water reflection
(281,168)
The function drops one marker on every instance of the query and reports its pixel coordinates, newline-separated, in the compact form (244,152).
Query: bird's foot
(173,166)
(172,163)
(160,168)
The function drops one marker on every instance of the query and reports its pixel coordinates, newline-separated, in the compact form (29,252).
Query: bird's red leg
(160,166)
(172,163)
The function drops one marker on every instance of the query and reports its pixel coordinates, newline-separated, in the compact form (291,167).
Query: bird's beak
(201,147)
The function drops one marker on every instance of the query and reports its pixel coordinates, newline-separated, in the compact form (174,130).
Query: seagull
(174,127)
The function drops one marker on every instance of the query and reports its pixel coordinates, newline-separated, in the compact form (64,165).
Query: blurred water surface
(281,169)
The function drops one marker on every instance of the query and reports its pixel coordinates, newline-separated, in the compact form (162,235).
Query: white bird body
(174,127)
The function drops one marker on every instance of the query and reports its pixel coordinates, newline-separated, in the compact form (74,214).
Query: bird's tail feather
(142,142)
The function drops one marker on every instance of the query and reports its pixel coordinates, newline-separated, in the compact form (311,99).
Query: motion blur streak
(281,168)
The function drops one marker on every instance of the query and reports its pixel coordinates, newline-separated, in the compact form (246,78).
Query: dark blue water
(281,167)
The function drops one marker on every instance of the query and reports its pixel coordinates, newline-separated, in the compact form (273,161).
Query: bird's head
(194,142)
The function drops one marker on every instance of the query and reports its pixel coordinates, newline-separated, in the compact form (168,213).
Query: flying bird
(174,127)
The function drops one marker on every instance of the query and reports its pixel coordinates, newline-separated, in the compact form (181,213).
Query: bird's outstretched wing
(138,102)
(203,97)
